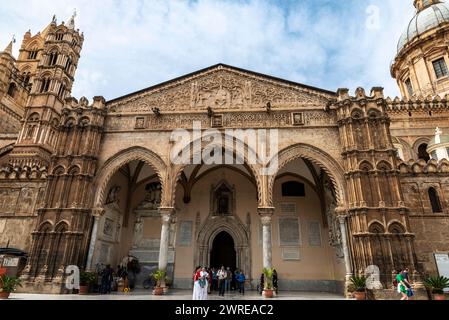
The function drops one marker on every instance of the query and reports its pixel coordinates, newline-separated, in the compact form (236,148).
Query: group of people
(222,280)
(403,285)
(108,278)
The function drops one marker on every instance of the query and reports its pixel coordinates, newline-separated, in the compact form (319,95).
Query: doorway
(223,252)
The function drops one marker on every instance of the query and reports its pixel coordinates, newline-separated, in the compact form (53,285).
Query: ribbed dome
(425,20)
(443,139)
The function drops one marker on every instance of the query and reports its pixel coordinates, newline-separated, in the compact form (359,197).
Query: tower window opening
(422,152)
(61,92)
(45,85)
(440,68)
(435,201)
(32,55)
(12,89)
(59,36)
(53,58)
(408,84)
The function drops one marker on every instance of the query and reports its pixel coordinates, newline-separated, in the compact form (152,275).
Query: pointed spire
(9,48)
(71,24)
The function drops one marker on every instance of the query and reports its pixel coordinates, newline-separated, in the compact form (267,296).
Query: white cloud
(137,43)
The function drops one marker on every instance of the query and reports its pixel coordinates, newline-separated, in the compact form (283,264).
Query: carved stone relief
(222,89)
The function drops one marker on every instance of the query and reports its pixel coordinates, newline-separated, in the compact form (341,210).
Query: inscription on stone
(288,208)
(290,254)
(185,233)
(289,234)
(314,228)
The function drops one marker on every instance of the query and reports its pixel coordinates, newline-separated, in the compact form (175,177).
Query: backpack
(395,283)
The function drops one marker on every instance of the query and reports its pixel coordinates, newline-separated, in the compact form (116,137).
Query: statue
(113,195)
(153,196)
(223,205)
(138,233)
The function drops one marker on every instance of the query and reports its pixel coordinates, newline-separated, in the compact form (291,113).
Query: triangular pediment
(222,87)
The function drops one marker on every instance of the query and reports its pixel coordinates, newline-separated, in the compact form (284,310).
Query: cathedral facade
(361,183)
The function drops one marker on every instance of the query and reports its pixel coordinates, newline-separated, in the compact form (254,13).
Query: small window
(408,84)
(32,55)
(293,189)
(59,36)
(53,59)
(45,85)
(61,92)
(434,155)
(12,89)
(422,152)
(435,201)
(440,68)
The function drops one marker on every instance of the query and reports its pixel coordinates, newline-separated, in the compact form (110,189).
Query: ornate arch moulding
(318,157)
(113,165)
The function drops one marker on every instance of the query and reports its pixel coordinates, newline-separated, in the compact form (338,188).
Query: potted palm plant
(86,279)
(359,283)
(158,276)
(437,286)
(7,285)
(268,282)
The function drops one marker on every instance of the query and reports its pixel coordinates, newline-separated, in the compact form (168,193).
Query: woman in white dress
(201,284)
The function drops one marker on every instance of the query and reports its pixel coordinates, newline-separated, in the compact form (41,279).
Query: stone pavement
(180,295)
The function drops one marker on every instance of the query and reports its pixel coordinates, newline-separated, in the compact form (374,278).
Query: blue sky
(134,44)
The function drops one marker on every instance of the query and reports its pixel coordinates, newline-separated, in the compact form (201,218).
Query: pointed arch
(113,165)
(322,159)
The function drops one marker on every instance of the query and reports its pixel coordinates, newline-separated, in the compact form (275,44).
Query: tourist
(200,285)
(221,274)
(106,280)
(402,286)
(275,281)
(228,279)
(214,280)
(405,276)
(241,282)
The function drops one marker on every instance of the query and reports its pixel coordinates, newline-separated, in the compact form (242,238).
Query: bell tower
(52,60)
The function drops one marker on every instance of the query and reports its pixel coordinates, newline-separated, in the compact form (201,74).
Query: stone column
(266,215)
(345,246)
(167,215)
(97,214)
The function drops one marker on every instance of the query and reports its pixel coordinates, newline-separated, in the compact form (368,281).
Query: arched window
(435,201)
(53,58)
(293,189)
(59,36)
(422,152)
(12,89)
(32,55)
(68,64)
(26,78)
(62,90)
(45,87)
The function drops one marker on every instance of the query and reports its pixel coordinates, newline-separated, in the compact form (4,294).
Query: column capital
(98,212)
(166,211)
(265,211)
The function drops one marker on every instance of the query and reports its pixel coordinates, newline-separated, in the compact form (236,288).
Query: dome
(443,140)
(425,20)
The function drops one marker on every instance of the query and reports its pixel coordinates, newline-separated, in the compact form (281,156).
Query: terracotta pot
(3,271)
(158,291)
(4,295)
(268,293)
(437,296)
(360,295)
(84,290)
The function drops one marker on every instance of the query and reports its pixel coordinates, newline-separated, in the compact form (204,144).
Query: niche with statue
(223,199)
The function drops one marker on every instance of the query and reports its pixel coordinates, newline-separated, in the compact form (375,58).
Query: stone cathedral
(362,179)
